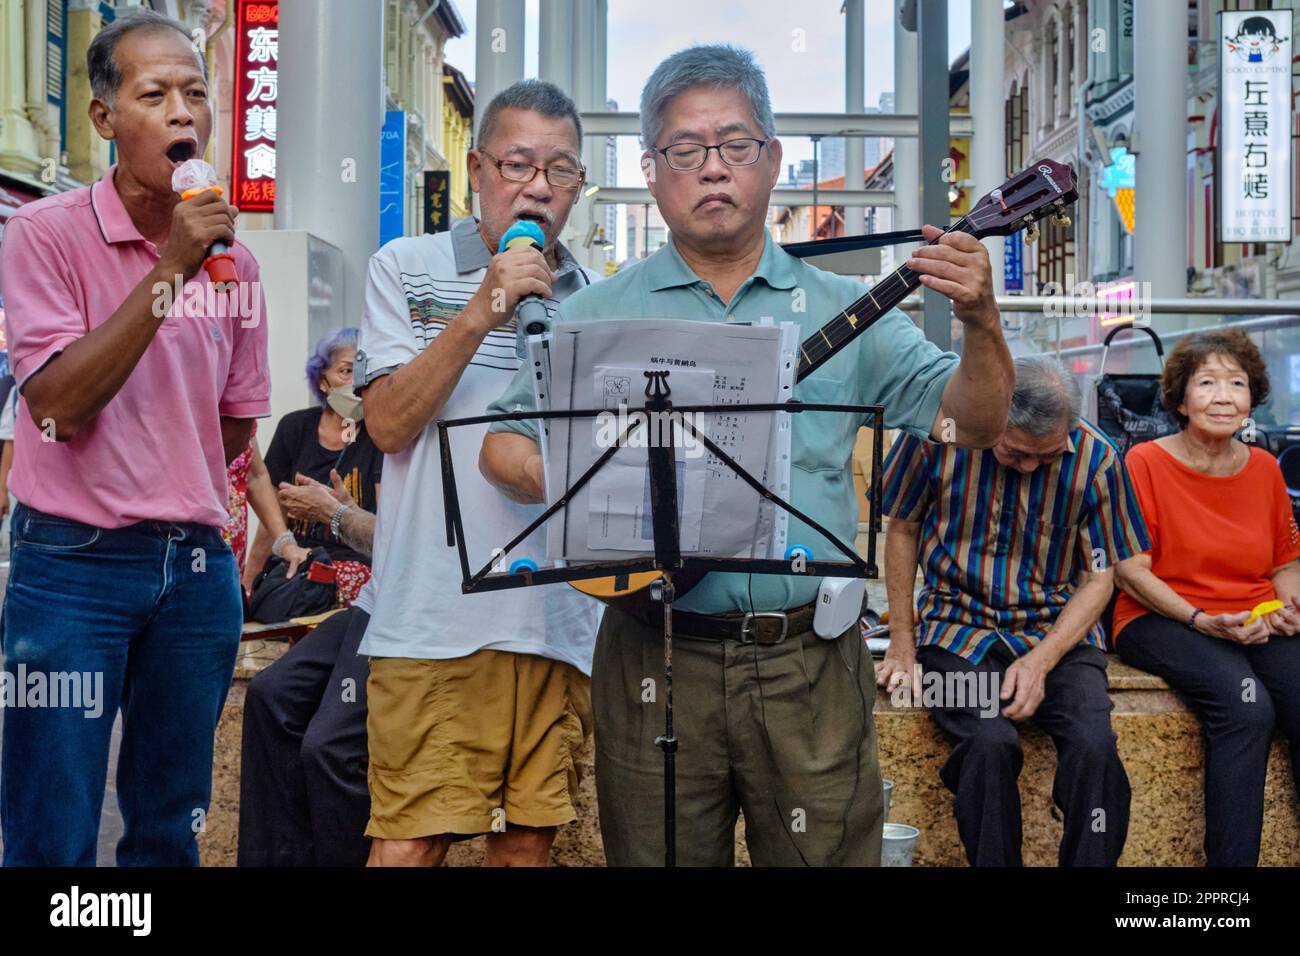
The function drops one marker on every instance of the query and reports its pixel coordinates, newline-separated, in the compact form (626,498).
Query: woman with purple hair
(323,462)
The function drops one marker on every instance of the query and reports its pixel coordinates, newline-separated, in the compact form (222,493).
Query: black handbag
(311,590)
(1128,405)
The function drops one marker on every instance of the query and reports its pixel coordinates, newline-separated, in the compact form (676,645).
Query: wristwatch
(336,519)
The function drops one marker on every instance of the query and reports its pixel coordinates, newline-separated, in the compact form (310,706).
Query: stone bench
(1159,740)
(1161,745)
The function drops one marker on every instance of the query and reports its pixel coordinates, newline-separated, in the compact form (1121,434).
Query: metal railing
(1075,305)
(890,125)
(1265,314)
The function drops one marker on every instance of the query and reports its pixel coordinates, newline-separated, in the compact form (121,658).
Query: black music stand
(667,558)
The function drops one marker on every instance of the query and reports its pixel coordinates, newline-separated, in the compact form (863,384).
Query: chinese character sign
(1013,265)
(437,200)
(257,52)
(1255,126)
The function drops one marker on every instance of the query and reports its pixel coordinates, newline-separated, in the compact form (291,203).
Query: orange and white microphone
(189,179)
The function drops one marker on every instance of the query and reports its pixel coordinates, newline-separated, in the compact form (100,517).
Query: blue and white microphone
(530,313)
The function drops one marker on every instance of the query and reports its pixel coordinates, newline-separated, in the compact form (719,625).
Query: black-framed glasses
(561,177)
(734,152)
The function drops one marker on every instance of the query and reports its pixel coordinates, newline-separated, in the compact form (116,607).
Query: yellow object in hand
(1268,607)
(191,193)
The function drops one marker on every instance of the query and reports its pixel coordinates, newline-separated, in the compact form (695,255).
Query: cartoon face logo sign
(1256,40)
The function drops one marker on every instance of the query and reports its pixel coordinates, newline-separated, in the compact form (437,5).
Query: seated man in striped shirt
(1017,544)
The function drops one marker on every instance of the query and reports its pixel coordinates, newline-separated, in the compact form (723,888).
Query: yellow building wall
(24,149)
(456,132)
(87,151)
(21,147)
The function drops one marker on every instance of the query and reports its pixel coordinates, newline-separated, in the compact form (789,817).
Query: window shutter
(56,67)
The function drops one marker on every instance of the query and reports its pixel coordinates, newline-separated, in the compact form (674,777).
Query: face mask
(345,402)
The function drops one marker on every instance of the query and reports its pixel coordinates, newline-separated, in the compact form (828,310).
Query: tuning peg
(1031,233)
(1061,219)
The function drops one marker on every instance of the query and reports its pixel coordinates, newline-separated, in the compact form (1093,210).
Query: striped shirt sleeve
(1286,537)
(906,483)
(1112,527)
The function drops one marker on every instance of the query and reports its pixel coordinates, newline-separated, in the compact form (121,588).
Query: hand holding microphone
(202,226)
(516,273)
(530,313)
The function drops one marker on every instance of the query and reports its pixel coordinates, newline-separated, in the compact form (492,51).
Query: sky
(641,34)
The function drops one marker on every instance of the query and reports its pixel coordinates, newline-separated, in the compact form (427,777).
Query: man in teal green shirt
(773,720)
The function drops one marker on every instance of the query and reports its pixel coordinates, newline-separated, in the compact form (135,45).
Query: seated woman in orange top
(1223,542)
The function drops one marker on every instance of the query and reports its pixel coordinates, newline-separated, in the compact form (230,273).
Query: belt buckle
(749,616)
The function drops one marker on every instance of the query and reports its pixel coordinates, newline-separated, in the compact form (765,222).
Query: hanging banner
(1013,264)
(392,177)
(1255,126)
(437,200)
(1124,48)
(257,53)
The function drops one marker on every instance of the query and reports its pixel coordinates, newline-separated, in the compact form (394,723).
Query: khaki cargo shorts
(473,744)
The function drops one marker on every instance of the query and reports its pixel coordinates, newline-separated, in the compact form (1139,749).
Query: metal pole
(583,53)
(988,144)
(898,124)
(603,175)
(932,89)
(498,51)
(1083,305)
(327,156)
(907,210)
(1160,141)
(602,52)
(668,742)
(555,43)
(854,102)
(816,140)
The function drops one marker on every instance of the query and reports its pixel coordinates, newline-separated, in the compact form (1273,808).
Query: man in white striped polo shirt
(478,704)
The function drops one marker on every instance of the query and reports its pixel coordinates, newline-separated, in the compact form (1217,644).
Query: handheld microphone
(191,178)
(530,313)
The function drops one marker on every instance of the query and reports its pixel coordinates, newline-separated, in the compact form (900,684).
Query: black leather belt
(760,627)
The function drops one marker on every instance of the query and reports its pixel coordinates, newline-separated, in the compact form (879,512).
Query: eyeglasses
(561,177)
(734,152)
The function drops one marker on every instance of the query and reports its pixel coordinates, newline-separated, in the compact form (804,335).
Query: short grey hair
(538,96)
(1046,397)
(716,65)
(105,77)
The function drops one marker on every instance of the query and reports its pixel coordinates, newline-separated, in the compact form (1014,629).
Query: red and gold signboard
(257,52)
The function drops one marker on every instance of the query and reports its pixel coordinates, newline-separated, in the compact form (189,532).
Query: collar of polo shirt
(472,253)
(668,270)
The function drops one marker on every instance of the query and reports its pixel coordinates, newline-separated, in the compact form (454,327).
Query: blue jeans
(146,618)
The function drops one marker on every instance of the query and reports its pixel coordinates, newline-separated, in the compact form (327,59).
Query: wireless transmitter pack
(839,606)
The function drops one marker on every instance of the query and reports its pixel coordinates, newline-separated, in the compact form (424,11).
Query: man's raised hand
(197,223)
(511,275)
(957,266)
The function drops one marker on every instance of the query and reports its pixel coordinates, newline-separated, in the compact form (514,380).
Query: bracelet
(337,518)
(277,546)
(1191,620)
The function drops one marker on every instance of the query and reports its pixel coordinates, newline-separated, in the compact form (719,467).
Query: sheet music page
(602,365)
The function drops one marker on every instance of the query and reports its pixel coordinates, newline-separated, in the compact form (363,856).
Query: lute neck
(823,344)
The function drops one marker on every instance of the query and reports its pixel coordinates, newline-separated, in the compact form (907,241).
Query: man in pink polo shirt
(121,592)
